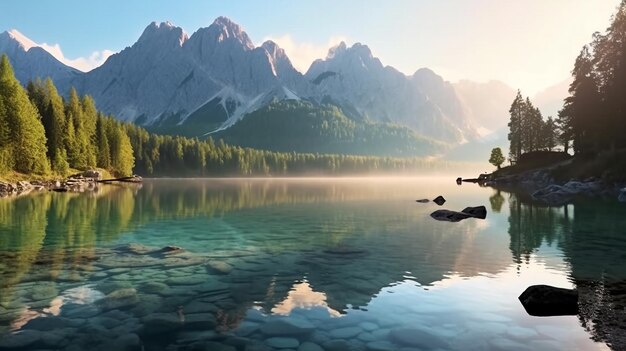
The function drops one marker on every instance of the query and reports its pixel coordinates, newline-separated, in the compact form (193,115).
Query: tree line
(593,117)
(528,131)
(41,132)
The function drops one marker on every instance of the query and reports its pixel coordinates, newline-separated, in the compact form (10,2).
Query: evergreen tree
(27,138)
(102,142)
(78,148)
(515,127)
(549,135)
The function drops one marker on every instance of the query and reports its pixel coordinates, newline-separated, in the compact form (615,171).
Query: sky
(530,44)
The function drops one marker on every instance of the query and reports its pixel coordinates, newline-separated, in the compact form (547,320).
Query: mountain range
(206,83)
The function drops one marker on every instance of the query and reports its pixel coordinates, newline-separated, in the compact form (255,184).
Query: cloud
(301,53)
(84,64)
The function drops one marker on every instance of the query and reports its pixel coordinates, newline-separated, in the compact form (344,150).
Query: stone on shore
(545,300)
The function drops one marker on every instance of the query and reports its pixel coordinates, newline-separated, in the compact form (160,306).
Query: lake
(304,264)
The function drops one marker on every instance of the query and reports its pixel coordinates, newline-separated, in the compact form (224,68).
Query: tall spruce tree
(515,127)
(27,138)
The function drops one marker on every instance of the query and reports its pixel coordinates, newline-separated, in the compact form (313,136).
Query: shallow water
(308,264)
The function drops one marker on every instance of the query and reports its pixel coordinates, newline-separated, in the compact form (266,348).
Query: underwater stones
(218,267)
(415,338)
(199,321)
(380,345)
(126,342)
(545,300)
(43,291)
(186,337)
(161,322)
(282,342)
(246,328)
(20,340)
(287,327)
(439,200)
(336,345)
(52,323)
(154,287)
(345,333)
(121,298)
(186,280)
(368,326)
(309,346)
(134,248)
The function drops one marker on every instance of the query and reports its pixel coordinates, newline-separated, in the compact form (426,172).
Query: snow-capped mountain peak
(23,41)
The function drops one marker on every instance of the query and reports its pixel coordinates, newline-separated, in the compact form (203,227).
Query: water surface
(315,264)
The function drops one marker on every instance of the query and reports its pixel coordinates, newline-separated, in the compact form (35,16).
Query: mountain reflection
(590,236)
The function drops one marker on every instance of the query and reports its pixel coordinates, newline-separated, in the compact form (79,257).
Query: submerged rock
(416,338)
(287,327)
(121,298)
(439,200)
(545,300)
(219,267)
(282,343)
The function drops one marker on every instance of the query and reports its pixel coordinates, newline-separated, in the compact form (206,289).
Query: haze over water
(352,263)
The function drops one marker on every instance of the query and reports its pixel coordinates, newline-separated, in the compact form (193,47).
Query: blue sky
(527,44)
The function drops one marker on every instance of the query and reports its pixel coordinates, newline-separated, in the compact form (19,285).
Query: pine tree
(102,142)
(549,134)
(90,115)
(515,127)
(26,133)
(78,148)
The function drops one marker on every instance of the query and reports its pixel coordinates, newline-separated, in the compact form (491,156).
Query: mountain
(353,77)
(550,100)
(486,104)
(210,82)
(30,61)
(167,76)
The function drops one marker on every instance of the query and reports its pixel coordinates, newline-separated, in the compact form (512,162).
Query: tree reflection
(591,236)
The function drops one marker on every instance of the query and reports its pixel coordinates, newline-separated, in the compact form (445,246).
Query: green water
(307,264)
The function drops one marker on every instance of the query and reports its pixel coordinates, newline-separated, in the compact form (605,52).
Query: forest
(593,118)
(43,133)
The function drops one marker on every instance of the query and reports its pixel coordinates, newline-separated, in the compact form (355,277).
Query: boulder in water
(422,201)
(545,300)
(449,216)
(476,212)
(439,200)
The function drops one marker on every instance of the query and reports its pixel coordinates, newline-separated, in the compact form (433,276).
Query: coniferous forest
(43,133)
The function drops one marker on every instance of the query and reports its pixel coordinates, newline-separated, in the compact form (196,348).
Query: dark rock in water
(449,216)
(439,200)
(479,212)
(423,201)
(545,300)
(476,212)
(171,249)
(459,181)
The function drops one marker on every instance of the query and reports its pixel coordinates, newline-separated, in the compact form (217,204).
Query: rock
(121,298)
(545,300)
(416,338)
(92,174)
(287,327)
(453,216)
(368,326)
(345,333)
(161,322)
(20,340)
(476,212)
(422,201)
(199,321)
(380,346)
(336,345)
(439,200)
(282,343)
(171,249)
(459,181)
(310,346)
(219,267)
(622,195)
(449,216)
